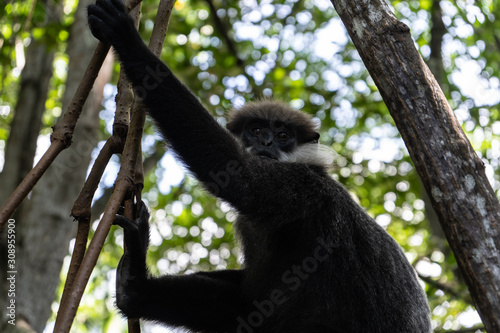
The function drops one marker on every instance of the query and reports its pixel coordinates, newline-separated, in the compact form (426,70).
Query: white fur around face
(310,153)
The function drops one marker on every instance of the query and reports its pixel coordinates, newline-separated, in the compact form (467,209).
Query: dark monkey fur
(314,261)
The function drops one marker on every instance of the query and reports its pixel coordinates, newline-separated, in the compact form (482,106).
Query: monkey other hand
(110,23)
(132,271)
(136,233)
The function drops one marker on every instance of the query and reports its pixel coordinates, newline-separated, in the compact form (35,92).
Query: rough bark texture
(451,171)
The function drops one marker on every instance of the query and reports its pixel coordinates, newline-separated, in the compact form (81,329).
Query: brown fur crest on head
(276,112)
(279,114)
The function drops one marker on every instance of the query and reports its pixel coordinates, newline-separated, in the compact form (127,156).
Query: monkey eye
(283,136)
(255,130)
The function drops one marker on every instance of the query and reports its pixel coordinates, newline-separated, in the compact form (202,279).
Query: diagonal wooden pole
(124,185)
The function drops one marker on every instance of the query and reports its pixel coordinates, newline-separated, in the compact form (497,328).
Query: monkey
(313,260)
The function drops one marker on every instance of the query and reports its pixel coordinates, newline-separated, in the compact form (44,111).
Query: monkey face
(273,130)
(268,139)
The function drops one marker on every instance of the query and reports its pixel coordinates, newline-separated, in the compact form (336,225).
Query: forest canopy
(298,51)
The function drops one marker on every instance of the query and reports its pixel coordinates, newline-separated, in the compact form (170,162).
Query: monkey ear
(315,137)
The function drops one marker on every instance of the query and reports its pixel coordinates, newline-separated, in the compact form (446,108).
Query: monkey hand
(110,23)
(136,233)
(132,272)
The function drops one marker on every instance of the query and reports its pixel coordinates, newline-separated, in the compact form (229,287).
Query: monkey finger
(98,26)
(125,223)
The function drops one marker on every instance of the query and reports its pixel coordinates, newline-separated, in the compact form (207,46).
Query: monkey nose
(266,143)
(266,138)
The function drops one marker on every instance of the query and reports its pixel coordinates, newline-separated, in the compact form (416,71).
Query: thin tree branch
(130,179)
(83,263)
(438,30)
(439,285)
(30,16)
(82,213)
(61,137)
(62,134)
(149,164)
(224,31)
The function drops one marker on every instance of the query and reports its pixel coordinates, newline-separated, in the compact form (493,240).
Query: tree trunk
(21,145)
(451,171)
(46,227)
(25,126)
(24,131)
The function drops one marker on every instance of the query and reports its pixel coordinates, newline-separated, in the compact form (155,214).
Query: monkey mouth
(262,154)
(267,156)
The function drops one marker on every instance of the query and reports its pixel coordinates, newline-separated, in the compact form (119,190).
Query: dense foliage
(297,51)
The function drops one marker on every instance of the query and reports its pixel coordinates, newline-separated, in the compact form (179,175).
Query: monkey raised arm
(205,147)
(213,154)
